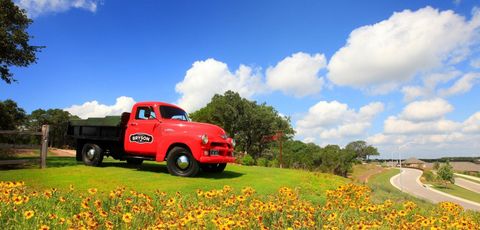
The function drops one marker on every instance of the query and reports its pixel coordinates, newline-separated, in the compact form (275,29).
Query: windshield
(168,112)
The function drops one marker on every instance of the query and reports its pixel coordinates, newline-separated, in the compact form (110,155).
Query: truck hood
(196,128)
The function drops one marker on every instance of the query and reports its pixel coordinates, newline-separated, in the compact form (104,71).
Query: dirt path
(62,152)
(363,178)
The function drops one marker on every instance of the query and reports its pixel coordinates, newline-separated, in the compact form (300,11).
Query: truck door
(142,131)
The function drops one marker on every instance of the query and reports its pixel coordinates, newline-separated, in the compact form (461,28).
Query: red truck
(154,131)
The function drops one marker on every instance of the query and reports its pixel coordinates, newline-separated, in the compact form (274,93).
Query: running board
(140,158)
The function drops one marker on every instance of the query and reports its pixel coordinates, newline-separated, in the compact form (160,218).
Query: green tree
(58,121)
(14,40)
(11,116)
(245,121)
(362,149)
(445,173)
(436,165)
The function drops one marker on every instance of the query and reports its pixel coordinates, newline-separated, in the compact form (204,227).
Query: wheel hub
(90,154)
(183,162)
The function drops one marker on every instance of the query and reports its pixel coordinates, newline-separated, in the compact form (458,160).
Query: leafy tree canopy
(362,149)
(445,173)
(11,116)
(245,121)
(15,49)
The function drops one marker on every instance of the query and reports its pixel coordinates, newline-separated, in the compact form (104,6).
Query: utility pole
(279,136)
(401,172)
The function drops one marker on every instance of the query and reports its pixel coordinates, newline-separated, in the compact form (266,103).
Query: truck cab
(154,131)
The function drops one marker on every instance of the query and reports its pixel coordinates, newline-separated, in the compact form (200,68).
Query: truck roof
(159,103)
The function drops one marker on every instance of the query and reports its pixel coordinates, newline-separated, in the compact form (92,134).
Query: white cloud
(38,7)
(462,85)
(475,63)
(412,92)
(426,110)
(335,121)
(95,109)
(472,124)
(395,125)
(394,51)
(430,136)
(297,75)
(430,83)
(207,78)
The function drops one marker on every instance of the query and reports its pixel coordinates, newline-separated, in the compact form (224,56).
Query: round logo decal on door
(141,138)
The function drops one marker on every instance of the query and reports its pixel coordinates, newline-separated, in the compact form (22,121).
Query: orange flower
(17,200)
(28,214)
(44,227)
(92,191)
(127,217)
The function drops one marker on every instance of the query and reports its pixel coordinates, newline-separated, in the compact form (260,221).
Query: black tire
(92,154)
(134,161)
(213,168)
(176,163)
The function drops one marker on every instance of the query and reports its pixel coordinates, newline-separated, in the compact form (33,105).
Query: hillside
(65,171)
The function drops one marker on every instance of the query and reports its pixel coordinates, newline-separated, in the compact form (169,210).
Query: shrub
(429,176)
(273,163)
(262,162)
(248,160)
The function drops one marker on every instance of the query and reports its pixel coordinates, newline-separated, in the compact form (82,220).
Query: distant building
(413,162)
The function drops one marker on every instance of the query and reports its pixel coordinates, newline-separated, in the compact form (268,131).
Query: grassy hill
(65,171)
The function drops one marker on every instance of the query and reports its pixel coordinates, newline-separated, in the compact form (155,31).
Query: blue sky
(402,75)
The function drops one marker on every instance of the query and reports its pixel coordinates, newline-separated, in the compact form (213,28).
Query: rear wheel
(92,154)
(134,161)
(213,168)
(180,162)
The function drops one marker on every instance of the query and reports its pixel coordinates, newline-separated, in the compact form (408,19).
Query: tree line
(253,125)
(13,117)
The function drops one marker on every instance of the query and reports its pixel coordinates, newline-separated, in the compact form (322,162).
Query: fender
(192,142)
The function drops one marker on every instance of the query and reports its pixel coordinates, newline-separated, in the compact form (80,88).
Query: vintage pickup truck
(154,131)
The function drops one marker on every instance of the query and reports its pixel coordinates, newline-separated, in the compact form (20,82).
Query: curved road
(409,181)
(466,184)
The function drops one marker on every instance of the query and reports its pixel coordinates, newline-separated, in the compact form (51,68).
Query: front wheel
(180,162)
(213,168)
(92,154)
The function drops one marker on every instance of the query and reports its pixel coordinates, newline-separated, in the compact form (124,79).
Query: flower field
(347,207)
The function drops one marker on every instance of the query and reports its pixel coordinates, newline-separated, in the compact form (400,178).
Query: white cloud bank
(333,122)
(426,110)
(380,57)
(95,109)
(297,75)
(422,129)
(38,7)
(207,78)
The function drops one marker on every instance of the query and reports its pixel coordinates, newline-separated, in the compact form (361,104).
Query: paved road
(409,181)
(466,184)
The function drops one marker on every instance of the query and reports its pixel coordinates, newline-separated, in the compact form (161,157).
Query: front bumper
(217,151)
(216,159)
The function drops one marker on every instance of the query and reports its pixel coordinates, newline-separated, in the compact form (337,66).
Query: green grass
(466,178)
(382,190)
(458,191)
(62,172)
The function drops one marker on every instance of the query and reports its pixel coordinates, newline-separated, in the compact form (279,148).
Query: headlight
(233,143)
(204,139)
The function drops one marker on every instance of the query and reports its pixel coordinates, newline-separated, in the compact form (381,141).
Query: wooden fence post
(44,151)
